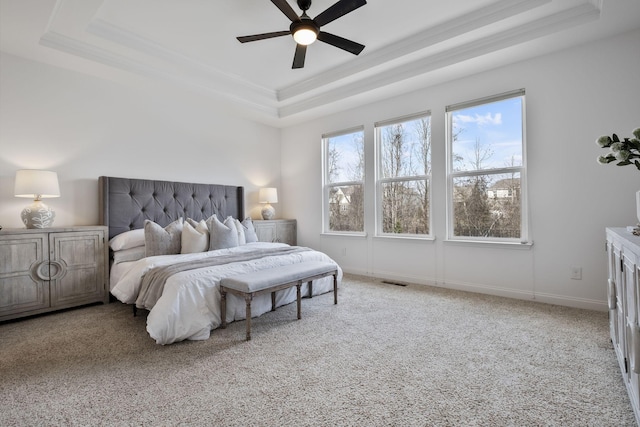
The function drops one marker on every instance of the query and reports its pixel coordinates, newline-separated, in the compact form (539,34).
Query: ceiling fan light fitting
(305,36)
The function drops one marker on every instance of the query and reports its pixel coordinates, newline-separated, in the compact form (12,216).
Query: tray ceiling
(192,44)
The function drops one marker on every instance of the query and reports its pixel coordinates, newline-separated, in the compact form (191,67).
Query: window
(344,181)
(404,176)
(486,164)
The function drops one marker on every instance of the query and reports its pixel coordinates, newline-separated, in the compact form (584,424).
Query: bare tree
(473,213)
(334,167)
(405,156)
(476,213)
(423,133)
(346,202)
(392,167)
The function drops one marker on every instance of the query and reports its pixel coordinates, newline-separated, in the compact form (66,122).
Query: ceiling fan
(306,30)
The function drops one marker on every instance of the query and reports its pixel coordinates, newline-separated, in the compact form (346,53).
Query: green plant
(624,152)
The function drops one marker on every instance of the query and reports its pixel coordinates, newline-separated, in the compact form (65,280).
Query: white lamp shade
(36,184)
(268,195)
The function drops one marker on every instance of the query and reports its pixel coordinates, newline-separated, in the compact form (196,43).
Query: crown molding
(63,43)
(547,25)
(126,38)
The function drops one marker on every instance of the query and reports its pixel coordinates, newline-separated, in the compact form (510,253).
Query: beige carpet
(384,356)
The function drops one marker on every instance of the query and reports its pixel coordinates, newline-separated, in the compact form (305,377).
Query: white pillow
(127,255)
(127,240)
(249,231)
(222,236)
(241,237)
(195,239)
(162,241)
(192,221)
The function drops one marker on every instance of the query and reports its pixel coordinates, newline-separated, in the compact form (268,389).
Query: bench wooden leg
(223,307)
(235,288)
(299,299)
(247,298)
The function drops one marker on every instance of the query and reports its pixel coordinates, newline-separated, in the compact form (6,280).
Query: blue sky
(348,161)
(498,129)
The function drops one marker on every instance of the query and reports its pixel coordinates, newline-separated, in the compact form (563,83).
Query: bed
(181,290)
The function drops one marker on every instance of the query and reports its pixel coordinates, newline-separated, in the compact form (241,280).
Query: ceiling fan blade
(298,59)
(337,10)
(339,42)
(286,9)
(255,37)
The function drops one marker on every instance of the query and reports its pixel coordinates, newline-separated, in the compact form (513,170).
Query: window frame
(326,185)
(380,181)
(524,238)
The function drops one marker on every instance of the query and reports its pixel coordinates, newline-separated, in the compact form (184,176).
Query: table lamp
(37,184)
(268,195)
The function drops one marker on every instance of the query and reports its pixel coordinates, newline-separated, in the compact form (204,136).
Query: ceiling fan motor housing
(304,4)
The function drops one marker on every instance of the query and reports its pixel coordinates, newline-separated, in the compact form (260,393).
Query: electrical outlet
(576,273)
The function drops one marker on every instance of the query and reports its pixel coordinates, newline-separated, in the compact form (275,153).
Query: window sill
(491,243)
(405,237)
(343,234)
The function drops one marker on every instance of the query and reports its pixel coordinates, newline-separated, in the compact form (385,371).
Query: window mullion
(404,178)
(487,172)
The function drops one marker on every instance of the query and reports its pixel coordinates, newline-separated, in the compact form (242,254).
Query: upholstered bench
(248,285)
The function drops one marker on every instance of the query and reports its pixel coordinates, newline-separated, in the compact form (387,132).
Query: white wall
(572,97)
(83,127)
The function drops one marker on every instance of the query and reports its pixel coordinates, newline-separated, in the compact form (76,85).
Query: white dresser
(623,259)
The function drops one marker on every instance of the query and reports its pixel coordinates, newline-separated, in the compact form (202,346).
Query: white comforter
(189,307)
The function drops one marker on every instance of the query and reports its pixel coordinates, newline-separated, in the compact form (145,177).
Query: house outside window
(403,193)
(343,181)
(487,169)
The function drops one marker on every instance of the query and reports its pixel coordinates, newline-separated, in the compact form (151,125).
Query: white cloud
(486,119)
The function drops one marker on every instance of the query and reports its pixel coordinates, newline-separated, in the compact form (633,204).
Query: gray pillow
(222,235)
(250,235)
(162,241)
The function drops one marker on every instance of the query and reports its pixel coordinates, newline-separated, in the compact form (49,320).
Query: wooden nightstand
(277,230)
(50,269)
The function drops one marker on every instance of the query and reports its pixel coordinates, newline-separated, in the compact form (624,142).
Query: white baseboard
(546,298)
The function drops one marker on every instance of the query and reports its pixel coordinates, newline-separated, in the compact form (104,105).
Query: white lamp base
(268,212)
(38,215)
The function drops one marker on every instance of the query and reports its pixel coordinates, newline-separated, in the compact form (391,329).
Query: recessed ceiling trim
(447,30)
(81,49)
(121,36)
(336,84)
(547,25)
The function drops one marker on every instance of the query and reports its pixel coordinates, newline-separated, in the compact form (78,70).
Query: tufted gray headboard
(126,203)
